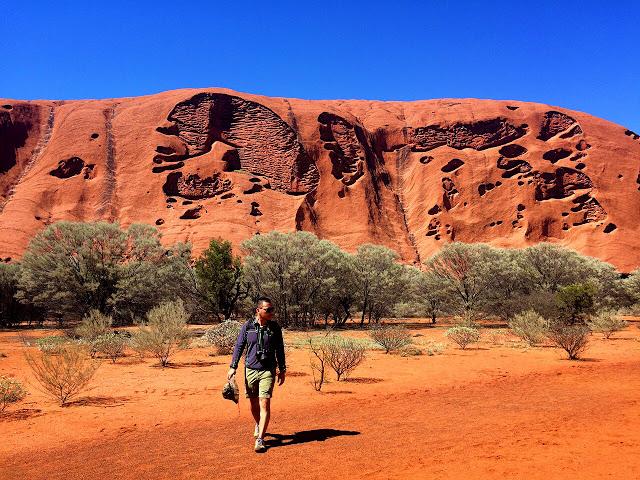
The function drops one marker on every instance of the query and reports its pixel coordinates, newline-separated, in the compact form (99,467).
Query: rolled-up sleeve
(241,342)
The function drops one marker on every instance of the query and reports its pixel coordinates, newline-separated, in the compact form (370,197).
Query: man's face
(265,311)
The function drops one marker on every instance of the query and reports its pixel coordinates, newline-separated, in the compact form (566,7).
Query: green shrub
(573,339)
(463,336)
(606,322)
(530,326)
(93,325)
(391,337)
(110,345)
(11,391)
(164,332)
(223,336)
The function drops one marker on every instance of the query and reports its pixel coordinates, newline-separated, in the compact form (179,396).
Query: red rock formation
(408,175)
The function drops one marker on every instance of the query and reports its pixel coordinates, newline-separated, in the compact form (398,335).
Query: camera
(262,355)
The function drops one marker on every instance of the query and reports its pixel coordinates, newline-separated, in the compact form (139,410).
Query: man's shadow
(318,435)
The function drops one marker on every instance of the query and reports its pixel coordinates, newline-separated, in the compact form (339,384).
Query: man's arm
(241,342)
(282,366)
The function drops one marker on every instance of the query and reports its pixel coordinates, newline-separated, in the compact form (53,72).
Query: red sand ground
(496,411)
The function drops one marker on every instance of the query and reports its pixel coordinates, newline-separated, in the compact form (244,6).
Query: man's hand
(281,376)
(231,373)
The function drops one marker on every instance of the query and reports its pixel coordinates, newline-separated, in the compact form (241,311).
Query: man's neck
(261,321)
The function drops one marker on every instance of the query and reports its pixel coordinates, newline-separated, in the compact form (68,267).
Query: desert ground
(499,409)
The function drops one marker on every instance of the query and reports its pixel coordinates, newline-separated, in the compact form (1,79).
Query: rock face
(409,175)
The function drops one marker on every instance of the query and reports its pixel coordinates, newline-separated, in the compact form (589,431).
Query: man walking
(265,348)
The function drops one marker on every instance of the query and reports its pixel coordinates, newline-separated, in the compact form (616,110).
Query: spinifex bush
(110,345)
(93,325)
(572,338)
(65,375)
(343,355)
(606,322)
(463,336)
(11,391)
(391,337)
(223,336)
(165,331)
(530,326)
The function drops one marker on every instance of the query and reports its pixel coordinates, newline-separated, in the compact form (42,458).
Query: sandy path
(489,413)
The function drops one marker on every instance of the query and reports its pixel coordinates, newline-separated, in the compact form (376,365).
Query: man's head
(264,309)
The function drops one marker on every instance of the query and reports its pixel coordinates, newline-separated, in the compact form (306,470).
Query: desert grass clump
(164,332)
(529,326)
(463,336)
(93,325)
(343,354)
(11,391)
(572,338)
(111,345)
(391,337)
(223,336)
(606,322)
(63,375)
(52,345)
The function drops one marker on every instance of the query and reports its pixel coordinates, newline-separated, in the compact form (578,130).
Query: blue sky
(578,55)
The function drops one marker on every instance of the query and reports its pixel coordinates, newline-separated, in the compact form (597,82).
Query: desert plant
(391,337)
(570,337)
(409,351)
(606,322)
(463,336)
(223,336)
(434,348)
(164,332)
(317,360)
(93,325)
(51,345)
(65,375)
(110,344)
(530,326)
(343,355)
(11,391)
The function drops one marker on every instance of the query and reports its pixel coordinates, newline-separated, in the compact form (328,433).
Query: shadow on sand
(275,440)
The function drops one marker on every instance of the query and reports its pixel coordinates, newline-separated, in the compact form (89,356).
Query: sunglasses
(268,309)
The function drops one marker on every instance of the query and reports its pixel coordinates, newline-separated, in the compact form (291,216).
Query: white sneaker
(260,446)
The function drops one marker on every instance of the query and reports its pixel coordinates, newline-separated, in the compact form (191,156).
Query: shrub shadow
(363,380)
(98,401)
(174,365)
(22,414)
(297,374)
(306,436)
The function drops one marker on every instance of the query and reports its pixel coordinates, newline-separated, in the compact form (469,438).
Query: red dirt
(408,175)
(496,411)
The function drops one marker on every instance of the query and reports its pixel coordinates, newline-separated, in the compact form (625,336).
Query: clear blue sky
(579,55)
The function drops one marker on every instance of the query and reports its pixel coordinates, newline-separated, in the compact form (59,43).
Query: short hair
(262,300)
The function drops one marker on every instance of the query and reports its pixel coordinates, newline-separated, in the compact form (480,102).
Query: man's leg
(264,415)
(255,409)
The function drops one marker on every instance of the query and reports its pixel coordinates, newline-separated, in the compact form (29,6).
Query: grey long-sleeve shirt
(272,341)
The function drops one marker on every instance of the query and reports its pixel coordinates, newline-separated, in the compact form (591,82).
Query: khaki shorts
(259,383)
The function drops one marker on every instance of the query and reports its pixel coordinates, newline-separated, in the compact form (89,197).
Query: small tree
(606,322)
(463,336)
(391,337)
(65,375)
(572,338)
(529,326)
(165,331)
(223,336)
(343,355)
(11,391)
(317,360)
